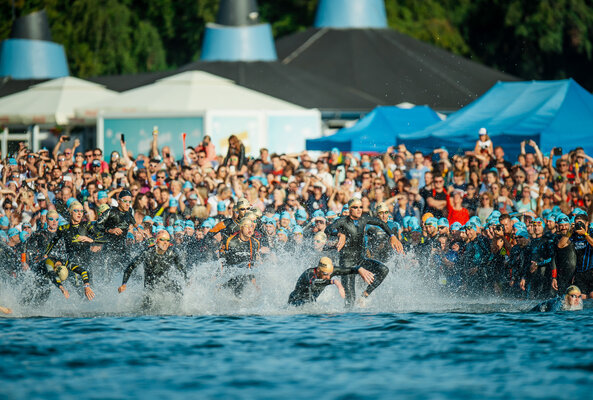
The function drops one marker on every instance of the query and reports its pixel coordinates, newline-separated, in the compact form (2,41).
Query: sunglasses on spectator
(355,207)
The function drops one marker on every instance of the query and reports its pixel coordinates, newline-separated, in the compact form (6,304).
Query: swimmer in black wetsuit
(240,252)
(351,246)
(225,228)
(114,225)
(314,280)
(565,253)
(159,262)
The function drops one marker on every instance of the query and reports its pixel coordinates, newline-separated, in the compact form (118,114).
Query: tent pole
(34,142)
(4,142)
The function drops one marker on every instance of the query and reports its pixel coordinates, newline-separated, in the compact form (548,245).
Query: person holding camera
(583,244)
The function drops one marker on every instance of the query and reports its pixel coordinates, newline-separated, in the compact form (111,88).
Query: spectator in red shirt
(457,213)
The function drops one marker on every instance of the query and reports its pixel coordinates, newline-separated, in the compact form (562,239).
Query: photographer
(583,244)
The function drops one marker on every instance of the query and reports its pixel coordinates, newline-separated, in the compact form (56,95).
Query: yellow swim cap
(573,289)
(326,265)
(62,271)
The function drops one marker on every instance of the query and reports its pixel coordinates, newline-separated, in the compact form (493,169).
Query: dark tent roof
(389,66)
(272,78)
(10,86)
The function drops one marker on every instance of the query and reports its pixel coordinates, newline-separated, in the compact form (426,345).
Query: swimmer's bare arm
(340,288)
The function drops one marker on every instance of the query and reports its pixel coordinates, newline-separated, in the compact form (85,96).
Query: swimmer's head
(245,221)
(62,271)
(354,202)
(325,266)
(573,300)
(573,289)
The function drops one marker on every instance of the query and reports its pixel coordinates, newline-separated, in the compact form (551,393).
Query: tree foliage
(533,39)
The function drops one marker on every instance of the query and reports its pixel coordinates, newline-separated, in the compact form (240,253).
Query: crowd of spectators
(445,190)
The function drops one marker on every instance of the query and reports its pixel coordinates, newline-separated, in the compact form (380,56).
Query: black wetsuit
(158,269)
(540,282)
(309,287)
(44,274)
(566,262)
(353,252)
(239,255)
(115,249)
(517,263)
(10,260)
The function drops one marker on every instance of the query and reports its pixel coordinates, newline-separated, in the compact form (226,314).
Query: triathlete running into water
(313,281)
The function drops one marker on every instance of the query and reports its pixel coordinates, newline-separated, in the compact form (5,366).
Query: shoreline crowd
(472,222)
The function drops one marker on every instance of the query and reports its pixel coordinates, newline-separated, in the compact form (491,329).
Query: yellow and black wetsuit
(77,252)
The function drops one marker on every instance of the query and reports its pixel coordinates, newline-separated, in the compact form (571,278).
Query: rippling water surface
(342,356)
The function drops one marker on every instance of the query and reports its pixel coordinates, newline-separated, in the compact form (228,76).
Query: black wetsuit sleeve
(133,265)
(377,222)
(101,221)
(345,271)
(179,264)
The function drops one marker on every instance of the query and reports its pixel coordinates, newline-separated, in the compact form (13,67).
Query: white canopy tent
(52,102)
(199,103)
(190,91)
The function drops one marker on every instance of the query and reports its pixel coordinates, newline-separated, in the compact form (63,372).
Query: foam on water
(404,290)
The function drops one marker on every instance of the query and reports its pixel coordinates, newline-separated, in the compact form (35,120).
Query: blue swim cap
(522,233)
(173,202)
(101,195)
(147,219)
(432,221)
(476,221)
(171,230)
(157,219)
(330,214)
(318,214)
(562,219)
(13,232)
(495,214)
(24,236)
(470,225)
(443,222)
(178,228)
(70,201)
(300,215)
(285,215)
(556,209)
(190,224)
(3,236)
(297,230)
(4,221)
(158,228)
(130,235)
(546,213)
(276,216)
(551,217)
(578,211)
(455,226)
(271,221)
(345,208)
(221,206)
(188,185)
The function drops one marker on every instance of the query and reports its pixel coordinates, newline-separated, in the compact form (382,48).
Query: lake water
(409,343)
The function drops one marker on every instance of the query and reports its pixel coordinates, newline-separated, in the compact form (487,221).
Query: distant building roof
(389,66)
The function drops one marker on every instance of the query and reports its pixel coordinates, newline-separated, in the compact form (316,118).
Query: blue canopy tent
(377,130)
(553,113)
